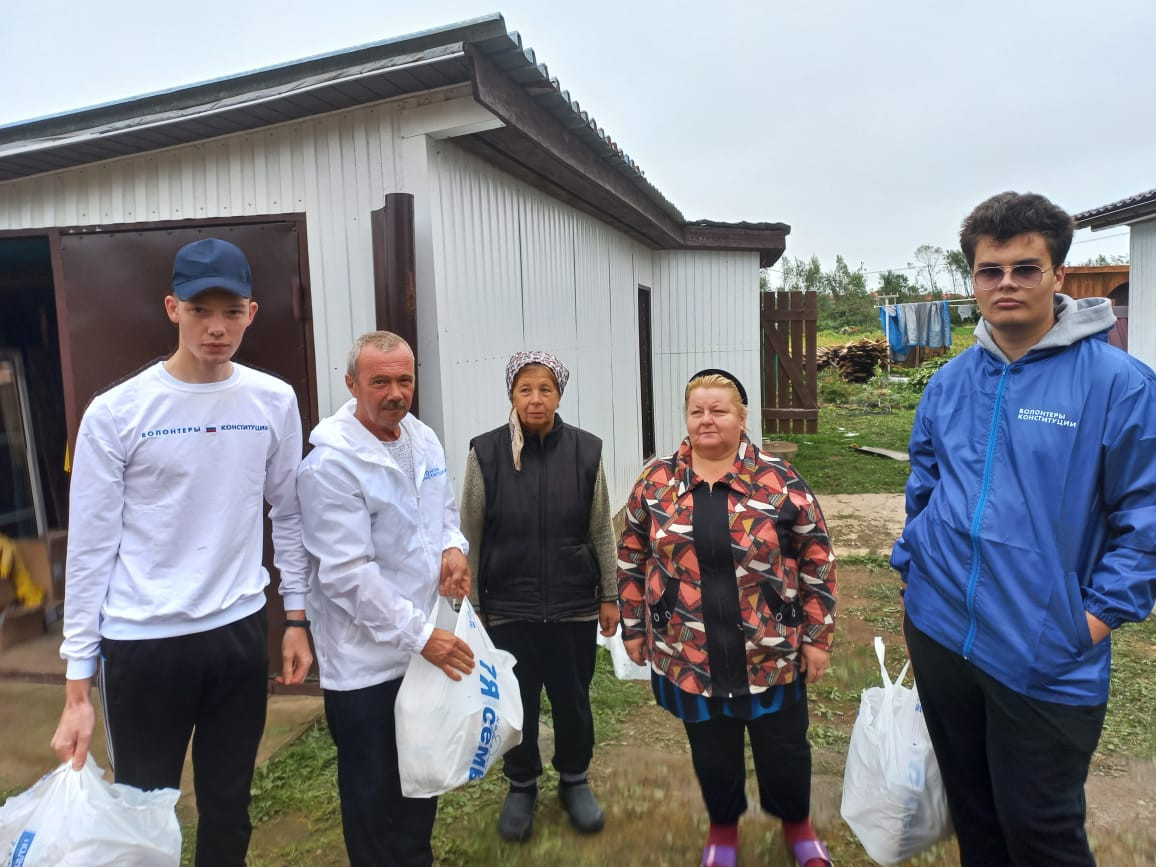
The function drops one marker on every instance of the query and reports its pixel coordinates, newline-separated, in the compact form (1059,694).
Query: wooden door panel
(111,287)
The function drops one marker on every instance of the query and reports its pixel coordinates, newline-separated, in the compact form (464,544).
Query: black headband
(717,372)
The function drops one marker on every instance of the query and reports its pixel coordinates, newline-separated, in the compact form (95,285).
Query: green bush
(919,377)
(881,394)
(833,389)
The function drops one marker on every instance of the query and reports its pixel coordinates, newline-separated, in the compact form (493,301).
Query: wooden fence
(790,385)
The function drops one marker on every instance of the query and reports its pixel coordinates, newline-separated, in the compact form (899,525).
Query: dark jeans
(560,657)
(1014,767)
(382,828)
(210,685)
(782,763)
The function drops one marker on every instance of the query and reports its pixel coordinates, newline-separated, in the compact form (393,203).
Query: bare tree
(930,259)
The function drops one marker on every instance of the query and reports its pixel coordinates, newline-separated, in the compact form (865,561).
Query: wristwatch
(304,624)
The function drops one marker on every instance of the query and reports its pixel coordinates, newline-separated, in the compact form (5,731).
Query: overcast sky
(869,127)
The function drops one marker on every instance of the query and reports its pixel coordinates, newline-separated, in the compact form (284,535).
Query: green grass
(1128,728)
(873,562)
(301,781)
(882,610)
(829,464)
(826,337)
(464,832)
(300,778)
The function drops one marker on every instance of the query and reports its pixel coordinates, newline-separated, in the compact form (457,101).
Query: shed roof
(1129,210)
(549,139)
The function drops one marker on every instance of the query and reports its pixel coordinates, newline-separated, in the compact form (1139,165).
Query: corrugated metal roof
(368,73)
(362,75)
(1117,213)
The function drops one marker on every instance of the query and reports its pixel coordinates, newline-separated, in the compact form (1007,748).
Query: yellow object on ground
(12,568)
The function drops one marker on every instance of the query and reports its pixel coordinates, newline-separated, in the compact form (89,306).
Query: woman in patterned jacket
(727,585)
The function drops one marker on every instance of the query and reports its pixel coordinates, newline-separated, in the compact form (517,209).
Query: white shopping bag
(75,819)
(893,796)
(452,731)
(624,667)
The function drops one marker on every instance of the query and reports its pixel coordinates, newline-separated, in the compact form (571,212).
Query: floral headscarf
(520,359)
(517,361)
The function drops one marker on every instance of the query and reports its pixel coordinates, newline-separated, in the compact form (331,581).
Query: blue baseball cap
(211,264)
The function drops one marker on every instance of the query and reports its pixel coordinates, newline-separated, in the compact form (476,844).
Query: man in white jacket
(382,527)
(165,587)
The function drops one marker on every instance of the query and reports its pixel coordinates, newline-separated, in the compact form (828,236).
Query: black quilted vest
(537,561)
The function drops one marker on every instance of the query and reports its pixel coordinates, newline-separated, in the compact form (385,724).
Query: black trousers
(1014,767)
(382,828)
(782,757)
(212,686)
(560,657)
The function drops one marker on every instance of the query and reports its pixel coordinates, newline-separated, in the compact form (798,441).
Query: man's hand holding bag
(452,731)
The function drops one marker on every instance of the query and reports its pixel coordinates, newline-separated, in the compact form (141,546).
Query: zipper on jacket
(977,518)
(714,553)
(542,525)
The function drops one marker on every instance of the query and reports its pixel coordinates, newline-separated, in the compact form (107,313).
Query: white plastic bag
(75,819)
(893,796)
(452,731)
(624,667)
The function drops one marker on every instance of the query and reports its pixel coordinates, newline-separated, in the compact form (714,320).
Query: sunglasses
(1024,276)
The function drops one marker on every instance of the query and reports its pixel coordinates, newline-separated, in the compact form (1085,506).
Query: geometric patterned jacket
(783,565)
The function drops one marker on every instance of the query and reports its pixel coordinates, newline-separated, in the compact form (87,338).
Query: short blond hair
(714,380)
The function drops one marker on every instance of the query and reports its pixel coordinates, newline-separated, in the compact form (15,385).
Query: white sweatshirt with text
(169,483)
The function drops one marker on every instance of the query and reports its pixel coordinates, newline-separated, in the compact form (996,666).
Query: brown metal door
(110,294)
(111,288)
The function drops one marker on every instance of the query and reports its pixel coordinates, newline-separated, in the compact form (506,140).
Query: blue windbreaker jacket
(1032,499)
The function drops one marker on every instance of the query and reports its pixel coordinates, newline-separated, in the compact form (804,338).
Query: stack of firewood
(827,355)
(856,361)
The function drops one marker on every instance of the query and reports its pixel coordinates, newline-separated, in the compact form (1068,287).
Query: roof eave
(548,140)
(1133,209)
(208,92)
(1119,217)
(769,241)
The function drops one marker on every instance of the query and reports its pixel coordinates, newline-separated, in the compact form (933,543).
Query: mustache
(394,404)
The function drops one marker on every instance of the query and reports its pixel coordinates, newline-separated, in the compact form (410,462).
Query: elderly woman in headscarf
(536,512)
(727,586)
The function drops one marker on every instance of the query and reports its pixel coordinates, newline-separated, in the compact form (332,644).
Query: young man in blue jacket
(1030,536)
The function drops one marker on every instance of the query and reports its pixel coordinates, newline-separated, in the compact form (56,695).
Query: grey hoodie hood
(1075,320)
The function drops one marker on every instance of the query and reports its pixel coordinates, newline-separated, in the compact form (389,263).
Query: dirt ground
(862,524)
(655,814)
(646,784)
(1121,794)
(649,777)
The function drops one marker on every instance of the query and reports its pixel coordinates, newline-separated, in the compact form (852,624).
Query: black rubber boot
(516,821)
(580,803)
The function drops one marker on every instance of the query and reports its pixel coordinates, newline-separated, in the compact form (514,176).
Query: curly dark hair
(1006,215)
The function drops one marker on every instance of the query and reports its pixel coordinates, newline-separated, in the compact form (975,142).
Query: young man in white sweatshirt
(165,595)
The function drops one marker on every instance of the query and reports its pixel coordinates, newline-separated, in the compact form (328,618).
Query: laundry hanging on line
(924,323)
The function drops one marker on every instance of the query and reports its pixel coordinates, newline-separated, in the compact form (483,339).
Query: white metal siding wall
(706,314)
(334,168)
(1142,293)
(520,270)
(512,269)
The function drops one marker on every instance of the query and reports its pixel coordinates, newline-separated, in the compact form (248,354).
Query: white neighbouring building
(528,228)
(1138,213)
